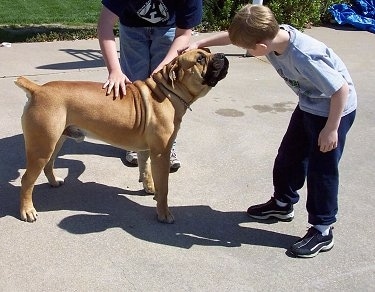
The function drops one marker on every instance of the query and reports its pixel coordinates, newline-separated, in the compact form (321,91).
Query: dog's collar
(184,102)
(187,105)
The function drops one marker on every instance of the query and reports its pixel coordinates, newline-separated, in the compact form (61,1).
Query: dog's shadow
(12,161)
(106,207)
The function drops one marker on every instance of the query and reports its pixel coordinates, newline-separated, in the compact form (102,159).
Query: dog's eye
(201,59)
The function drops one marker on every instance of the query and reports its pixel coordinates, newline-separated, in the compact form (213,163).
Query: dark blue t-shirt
(145,13)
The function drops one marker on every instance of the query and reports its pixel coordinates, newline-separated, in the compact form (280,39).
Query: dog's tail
(25,84)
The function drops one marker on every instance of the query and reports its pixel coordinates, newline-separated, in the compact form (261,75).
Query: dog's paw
(57,182)
(29,215)
(148,184)
(168,218)
(149,189)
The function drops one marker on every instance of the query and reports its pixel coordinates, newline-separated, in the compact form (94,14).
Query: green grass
(46,20)
(37,12)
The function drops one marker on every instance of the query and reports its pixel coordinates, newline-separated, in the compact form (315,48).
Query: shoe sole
(175,166)
(133,162)
(285,218)
(322,249)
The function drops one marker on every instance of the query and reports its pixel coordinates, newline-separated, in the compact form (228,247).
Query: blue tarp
(360,14)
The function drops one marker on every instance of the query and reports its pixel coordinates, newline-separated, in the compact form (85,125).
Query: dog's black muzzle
(217,69)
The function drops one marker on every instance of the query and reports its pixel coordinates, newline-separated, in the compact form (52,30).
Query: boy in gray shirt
(314,141)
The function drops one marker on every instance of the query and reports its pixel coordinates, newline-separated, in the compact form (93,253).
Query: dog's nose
(220,55)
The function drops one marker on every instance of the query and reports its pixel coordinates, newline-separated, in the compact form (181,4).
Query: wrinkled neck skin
(176,93)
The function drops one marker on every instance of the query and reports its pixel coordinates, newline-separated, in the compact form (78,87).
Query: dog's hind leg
(54,180)
(40,143)
(37,156)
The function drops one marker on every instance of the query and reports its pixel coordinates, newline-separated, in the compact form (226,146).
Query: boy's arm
(328,137)
(181,40)
(219,39)
(116,78)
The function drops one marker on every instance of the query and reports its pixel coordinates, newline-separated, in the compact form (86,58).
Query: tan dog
(146,120)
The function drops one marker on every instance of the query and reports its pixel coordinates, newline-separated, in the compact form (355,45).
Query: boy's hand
(327,140)
(116,81)
(190,47)
(157,69)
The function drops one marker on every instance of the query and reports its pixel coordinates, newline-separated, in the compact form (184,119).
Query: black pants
(299,158)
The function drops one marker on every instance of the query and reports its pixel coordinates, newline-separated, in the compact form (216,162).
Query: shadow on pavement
(12,160)
(86,59)
(111,207)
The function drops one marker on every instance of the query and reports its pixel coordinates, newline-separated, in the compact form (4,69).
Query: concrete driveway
(98,232)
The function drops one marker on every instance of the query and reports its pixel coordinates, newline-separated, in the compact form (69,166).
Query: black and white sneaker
(174,162)
(271,210)
(132,158)
(312,243)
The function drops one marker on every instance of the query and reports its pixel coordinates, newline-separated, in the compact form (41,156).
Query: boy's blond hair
(252,24)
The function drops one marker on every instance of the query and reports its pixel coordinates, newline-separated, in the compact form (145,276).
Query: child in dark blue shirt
(151,33)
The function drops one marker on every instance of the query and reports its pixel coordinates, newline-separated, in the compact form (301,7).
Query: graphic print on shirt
(292,83)
(154,11)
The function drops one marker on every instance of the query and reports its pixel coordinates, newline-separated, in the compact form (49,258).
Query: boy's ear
(262,46)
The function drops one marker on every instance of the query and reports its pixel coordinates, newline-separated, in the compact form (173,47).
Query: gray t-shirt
(314,72)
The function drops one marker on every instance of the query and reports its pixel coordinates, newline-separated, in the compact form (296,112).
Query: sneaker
(132,157)
(312,243)
(271,210)
(174,162)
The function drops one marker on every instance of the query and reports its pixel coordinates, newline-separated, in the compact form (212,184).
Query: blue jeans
(299,158)
(143,48)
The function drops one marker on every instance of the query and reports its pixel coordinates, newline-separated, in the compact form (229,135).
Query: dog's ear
(207,50)
(176,72)
(172,73)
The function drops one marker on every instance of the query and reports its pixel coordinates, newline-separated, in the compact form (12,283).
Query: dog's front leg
(145,176)
(160,173)
(27,210)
